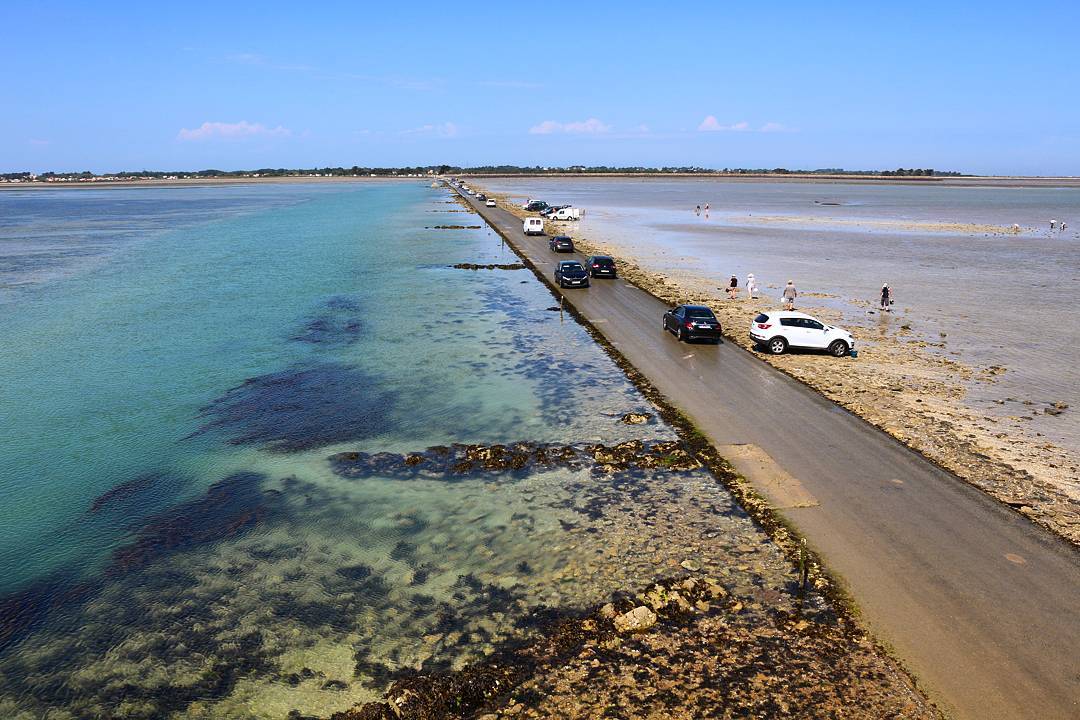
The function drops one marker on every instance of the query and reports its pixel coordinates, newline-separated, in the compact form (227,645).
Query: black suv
(690,322)
(571,273)
(561,243)
(551,209)
(601,266)
(536,206)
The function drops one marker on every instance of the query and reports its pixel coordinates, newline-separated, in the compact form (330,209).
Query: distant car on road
(481,196)
(489,202)
(571,273)
(533,226)
(601,266)
(692,322)
(535,205)
(561,243)
(776,331)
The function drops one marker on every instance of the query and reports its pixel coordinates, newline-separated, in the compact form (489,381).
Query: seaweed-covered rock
(458,461)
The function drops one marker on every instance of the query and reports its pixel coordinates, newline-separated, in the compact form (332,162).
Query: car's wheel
(838,348)
(681,334)
(777,346)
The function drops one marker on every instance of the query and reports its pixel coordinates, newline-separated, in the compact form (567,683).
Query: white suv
(778,330)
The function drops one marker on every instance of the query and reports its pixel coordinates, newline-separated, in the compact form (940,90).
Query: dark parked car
(561,243)
(571,273)
(551,209)
(601,266)
(536,206)
(481,196)
(692,322)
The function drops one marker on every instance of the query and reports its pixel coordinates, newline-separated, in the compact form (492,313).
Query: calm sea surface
(989,298)
(180,366)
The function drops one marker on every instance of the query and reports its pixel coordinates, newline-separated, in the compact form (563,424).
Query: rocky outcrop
(458,461)
(639,619)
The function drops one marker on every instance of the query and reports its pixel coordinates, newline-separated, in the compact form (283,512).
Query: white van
(567,213)
(533,226)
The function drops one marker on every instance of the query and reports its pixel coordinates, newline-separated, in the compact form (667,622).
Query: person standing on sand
(790,293)
(751,286)
(697,210)
(733,288)
(1052,224)
(886,298)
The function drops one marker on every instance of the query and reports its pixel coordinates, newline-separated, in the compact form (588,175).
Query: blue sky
(984,87)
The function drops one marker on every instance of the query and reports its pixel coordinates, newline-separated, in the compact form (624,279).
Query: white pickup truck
(533,226)
(567,213)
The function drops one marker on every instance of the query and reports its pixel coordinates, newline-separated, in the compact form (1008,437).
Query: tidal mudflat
(280,459)
(955,370)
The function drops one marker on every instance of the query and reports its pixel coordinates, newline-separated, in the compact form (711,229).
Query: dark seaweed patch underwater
(302,407)
(337,323)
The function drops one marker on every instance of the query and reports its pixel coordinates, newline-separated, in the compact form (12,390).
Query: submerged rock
(126,491)
(489,266)
(337,323)
(634,418)
(302,407)
(228,508)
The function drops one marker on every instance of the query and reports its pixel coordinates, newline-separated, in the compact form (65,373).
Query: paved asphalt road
(979,603)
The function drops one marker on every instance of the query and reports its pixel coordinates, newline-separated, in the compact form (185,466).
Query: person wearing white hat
(886,298)
(751,286)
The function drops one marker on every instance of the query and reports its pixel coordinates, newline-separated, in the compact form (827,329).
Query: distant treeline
(357,171)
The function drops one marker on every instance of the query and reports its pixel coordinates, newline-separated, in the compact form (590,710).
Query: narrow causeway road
(980,604)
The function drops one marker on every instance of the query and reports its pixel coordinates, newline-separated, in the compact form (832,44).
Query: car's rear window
(603,261)
(762,318)
(699,313)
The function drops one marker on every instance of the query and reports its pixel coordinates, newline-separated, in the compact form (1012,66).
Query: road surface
(980,604)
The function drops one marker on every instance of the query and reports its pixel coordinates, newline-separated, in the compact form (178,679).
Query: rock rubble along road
(980,604)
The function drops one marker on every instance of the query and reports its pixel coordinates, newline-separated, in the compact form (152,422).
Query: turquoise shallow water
(174,540)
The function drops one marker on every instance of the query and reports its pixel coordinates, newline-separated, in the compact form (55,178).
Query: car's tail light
(764,326)
(689,324)
(595,265)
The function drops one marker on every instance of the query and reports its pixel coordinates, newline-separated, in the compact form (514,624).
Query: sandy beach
(903,381)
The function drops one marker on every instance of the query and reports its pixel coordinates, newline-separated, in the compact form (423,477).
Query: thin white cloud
(771,127)
(513,84)
(711,124)
(592,126)
(246,58)
(242,130)
(444,130)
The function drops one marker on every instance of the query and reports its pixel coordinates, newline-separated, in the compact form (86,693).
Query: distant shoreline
(963,181)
